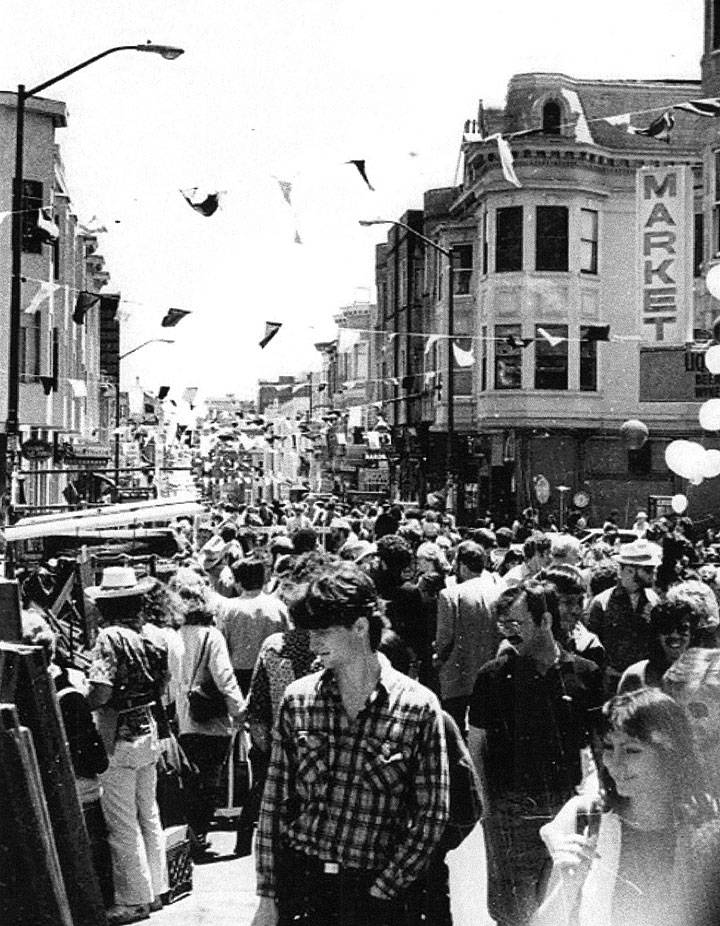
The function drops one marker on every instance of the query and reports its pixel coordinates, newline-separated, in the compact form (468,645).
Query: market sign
(665,223)
(36,449)
(676,374)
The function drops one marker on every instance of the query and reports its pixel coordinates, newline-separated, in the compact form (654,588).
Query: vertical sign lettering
(665,226)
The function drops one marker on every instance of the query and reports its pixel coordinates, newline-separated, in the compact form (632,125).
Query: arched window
(552,118)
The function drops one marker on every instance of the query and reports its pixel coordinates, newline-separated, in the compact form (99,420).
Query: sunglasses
(682,630)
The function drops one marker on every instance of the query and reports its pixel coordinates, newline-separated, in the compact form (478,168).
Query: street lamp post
(117,399)
(12,421)
(450,367)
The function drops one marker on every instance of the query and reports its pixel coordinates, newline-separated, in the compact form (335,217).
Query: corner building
(609,235)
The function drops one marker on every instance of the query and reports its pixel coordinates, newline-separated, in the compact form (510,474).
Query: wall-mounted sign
(676,374)
(36,449)
(664,202)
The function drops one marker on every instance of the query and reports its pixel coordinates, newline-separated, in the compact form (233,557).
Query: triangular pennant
(506,159)
(297,239)
(552,340)
(322,387)
(706,107)
(360,164)
(173,316)
(84,302)
(392,336)
(597,333)
(163,392)
(47,230)
(48,384)
(659,129)
(79,388)
(620,119)
(286,190)
(3,216)
(394,381)
(43,291)
(433,339)
(516,342)
(207,206)
(271,329)
(463,358)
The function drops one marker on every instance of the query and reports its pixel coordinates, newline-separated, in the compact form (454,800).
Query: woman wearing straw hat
(126,678)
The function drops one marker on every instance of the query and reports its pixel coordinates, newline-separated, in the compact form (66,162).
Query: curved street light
(169,53)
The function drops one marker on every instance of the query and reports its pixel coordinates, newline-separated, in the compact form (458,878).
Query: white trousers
(135,834)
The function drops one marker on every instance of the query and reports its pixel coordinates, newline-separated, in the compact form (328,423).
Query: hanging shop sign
(36,449)
(664,209)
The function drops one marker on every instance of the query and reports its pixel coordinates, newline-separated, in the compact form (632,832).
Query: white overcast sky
(288,89)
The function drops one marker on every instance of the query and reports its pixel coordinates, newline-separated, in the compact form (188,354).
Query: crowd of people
(396,678)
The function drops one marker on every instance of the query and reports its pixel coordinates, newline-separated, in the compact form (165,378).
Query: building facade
(69,333)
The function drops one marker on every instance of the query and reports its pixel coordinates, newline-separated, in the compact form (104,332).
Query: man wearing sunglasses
(620,616)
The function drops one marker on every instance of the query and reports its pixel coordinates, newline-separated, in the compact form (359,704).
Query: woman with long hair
(623,858)
(204,659)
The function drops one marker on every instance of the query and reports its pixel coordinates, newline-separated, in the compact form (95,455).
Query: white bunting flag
(463,358)
(506,159)
(433,339)
(79,388)
(552,340)
(41,294)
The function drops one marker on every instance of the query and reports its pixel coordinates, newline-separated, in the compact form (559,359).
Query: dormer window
(551,118)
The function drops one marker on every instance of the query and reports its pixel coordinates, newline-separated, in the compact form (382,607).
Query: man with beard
(532,711)
(620,616)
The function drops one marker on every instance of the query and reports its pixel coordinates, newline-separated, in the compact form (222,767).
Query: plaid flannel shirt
(370,794)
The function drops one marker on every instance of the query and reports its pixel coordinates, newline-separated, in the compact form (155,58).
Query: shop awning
(128,515)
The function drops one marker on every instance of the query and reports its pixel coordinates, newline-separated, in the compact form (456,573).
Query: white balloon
(685,458)
(712,281)
(711,464)
(712,359)
(678,503)
(709,415)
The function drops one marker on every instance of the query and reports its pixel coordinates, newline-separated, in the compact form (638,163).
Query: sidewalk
(224,890)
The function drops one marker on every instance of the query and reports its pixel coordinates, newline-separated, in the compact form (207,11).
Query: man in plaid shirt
(357,795)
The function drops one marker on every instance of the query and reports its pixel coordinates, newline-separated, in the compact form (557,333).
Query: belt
(316,866)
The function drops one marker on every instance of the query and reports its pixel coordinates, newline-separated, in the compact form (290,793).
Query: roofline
(651,83)
(56,109)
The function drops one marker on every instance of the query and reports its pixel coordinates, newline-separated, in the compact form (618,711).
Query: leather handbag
(205,700)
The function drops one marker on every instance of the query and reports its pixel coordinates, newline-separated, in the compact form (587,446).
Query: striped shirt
(370,794)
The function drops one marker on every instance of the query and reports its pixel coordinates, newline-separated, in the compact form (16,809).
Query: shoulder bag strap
(200,659)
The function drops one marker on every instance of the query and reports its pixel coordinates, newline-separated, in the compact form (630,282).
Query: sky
(290,90)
